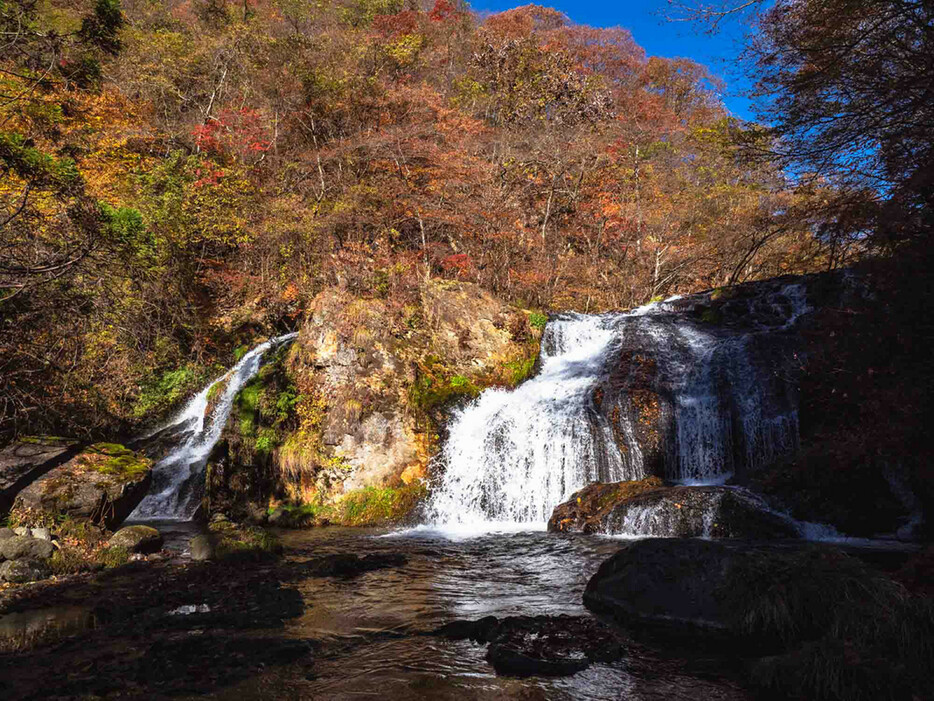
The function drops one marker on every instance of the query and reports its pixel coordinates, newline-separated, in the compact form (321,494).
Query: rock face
(704,385)
(137,539)
(101,485)
(648,509)
(361,391)
(524,646)
(24,461)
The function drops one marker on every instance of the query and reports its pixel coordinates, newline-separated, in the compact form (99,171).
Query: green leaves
(31,164)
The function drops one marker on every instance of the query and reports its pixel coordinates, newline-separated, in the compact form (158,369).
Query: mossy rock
(102,485)
(137,539)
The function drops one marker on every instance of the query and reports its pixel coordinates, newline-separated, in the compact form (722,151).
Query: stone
(137,539)
(23,571)
(647,508)
(41,533)
(6,533)
(103,484)
(24,461)
(21,530)
(20,546)
(203,547)
(524,646)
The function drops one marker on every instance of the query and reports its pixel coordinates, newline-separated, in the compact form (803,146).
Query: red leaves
(441,11)
(240,133)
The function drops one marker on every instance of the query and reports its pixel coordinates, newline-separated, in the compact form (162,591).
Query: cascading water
(512,456)
(177,478)
(721,398)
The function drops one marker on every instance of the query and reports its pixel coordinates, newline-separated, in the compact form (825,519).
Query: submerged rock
(137,539)
(348,565)
(23,571)
(647,508)
(524,646)
(101,485)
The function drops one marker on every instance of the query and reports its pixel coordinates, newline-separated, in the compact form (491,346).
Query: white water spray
(178,477)
(512,456)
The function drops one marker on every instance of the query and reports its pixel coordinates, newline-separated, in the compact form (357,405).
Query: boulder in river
(23,571)
(524,646)
(137,539)
(101,485)
(647,508)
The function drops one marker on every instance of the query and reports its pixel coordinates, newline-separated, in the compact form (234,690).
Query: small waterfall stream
(178,477)
(724,401)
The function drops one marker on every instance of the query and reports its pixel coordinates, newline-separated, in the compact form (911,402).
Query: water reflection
(370,625)
(28,629)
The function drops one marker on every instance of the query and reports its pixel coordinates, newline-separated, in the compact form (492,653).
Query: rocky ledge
(648,508)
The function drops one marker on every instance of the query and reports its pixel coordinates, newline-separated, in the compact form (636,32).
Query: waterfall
(178,477)
(512,456)
(724,398)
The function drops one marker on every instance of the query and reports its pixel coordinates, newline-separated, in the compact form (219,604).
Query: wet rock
(523,646)
(20,546)
(203,547)
(646,508)
(101,485)
(41,533)
(23,570)
(348,565)
(137,539)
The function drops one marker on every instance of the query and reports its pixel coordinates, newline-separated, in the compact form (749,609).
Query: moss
(247,401)
(518,371)
(371,506)
(115,459)
(266,441)
(245,543)
(113,557)
(723,293)
(866,638)
(538,320)
(214,391)
(158,395)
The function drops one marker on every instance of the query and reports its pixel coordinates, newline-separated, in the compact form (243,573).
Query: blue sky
(659,37)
